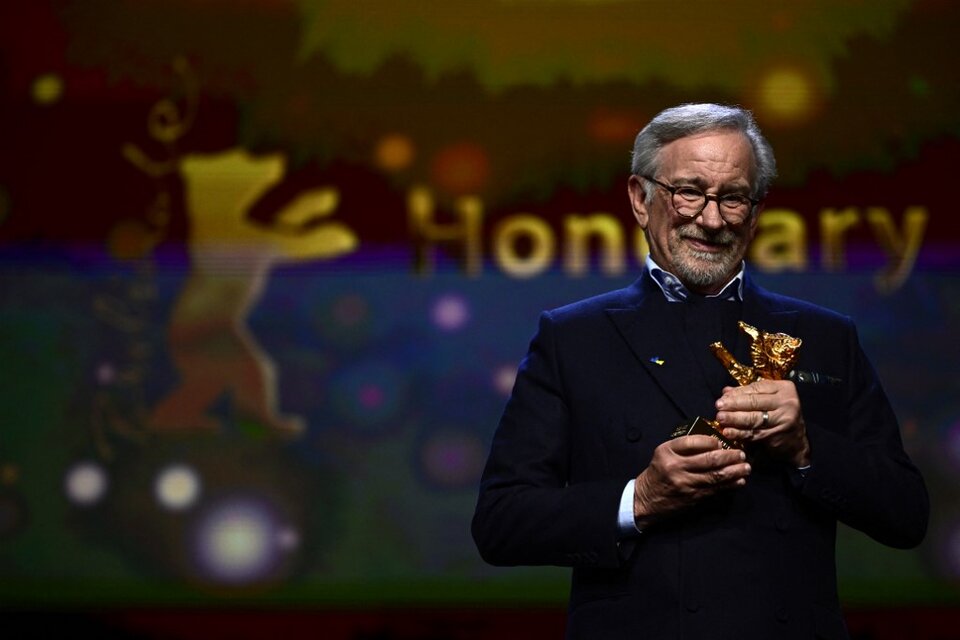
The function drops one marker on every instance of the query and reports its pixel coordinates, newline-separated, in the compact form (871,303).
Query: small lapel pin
(657,360)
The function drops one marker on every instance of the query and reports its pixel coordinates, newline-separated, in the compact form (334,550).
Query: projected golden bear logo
(209,341)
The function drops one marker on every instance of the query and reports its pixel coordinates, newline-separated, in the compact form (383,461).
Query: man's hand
(766,412)
(683,471)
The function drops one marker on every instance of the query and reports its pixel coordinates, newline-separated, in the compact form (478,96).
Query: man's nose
(710,216)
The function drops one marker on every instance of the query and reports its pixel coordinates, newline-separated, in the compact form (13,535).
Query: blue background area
(382,488)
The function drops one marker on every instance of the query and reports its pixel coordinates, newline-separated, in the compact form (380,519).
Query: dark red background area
(476,623)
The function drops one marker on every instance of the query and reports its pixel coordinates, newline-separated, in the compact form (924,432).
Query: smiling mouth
(706,244)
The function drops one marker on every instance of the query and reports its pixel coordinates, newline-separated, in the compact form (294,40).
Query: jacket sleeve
(860,472)
(528,511)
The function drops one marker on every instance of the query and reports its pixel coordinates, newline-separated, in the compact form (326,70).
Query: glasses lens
(734,202)
(735,207)
(688,201)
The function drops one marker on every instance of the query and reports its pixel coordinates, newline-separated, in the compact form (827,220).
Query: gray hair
(689,119)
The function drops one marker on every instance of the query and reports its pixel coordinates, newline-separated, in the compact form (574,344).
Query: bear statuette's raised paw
(773,356)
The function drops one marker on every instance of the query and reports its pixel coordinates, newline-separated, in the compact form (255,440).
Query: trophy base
(704,427)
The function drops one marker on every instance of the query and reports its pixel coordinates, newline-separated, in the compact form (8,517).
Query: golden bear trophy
(773,355)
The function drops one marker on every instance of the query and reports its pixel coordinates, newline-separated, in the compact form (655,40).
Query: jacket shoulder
(595,306)
(776,302)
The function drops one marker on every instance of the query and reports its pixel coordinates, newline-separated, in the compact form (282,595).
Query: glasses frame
(707,197)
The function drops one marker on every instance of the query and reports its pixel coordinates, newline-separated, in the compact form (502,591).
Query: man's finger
(714,460)
(694,444)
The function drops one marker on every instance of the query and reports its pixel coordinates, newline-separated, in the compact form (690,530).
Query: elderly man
(683,537)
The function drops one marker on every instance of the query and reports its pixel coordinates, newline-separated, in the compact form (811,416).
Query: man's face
(704,252)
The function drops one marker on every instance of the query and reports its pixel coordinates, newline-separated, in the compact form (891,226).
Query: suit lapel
(649,328)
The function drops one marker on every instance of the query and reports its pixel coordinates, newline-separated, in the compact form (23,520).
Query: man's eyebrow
(700,183)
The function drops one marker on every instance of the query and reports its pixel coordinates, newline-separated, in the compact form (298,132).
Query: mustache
(723,236)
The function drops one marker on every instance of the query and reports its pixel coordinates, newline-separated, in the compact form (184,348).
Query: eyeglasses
(689,202)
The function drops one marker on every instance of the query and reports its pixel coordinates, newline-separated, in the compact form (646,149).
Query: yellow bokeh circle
(47,88)
(787,95)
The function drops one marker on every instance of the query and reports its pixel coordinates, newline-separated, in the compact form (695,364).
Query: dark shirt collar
(675,291)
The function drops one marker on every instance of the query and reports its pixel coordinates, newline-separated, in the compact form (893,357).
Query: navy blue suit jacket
(604,382)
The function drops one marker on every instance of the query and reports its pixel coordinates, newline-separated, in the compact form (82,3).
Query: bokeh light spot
(106,373)
(346,320)
(236,542)
(351,310)
(952,443)
(450,312)
(394,152)
(177,487)
(609,126)
(369,394)
(85,483)
(47,89)
(9,474)
(951,551)
(461,168)
(288,539)
(786,95)
(452,460)
(503,378)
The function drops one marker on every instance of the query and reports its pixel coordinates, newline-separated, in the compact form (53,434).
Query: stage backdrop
(267,269)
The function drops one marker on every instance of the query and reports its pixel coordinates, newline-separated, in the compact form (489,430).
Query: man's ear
(638,201)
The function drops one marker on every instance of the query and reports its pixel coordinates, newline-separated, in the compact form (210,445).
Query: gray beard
(700,270)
